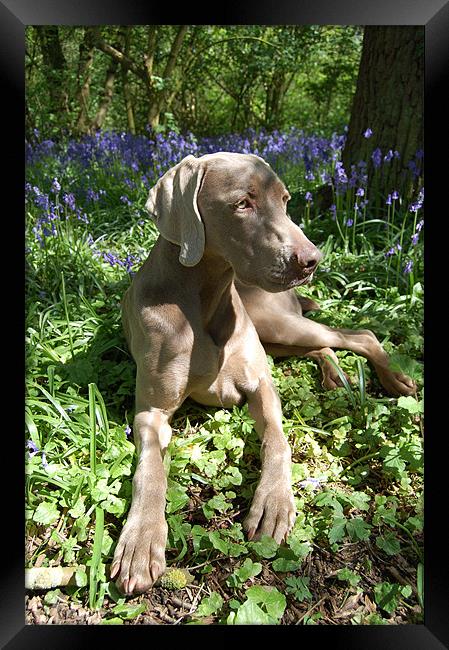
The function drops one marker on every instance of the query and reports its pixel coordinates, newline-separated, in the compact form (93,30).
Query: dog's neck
(211,280)
(215,279)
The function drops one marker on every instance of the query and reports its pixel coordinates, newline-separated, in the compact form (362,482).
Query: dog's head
(234,206)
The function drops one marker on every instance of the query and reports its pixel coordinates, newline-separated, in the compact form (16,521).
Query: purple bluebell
(34,449)
(309,197)
(360,192)
(315,483)
(376,157)
(349,222)
(408,266)
(55,186)
(44,461)
(69,200)
(368,133)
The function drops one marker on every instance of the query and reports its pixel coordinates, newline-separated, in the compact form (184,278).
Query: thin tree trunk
(126,36)
(108,90)
(158,98)
(86,58)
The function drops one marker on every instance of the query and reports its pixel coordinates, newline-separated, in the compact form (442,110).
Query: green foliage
(357,456)
(226,78)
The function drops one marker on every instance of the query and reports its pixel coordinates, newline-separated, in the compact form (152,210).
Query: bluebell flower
(55,186)
(313,482)
(309,197)
(388,201)
(395,195)
(69,200)
(376,157)
(368,133)
(32,447)
(349,222)
(388,156)
(408,266)
(127,430)
(360,192)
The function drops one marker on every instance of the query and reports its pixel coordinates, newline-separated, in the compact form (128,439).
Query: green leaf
(129,611)
(349,576)
(405,365)
(358,528)
(250,614)
(247,570)
(265,547)
(218,542)
(273,600)
(338,529)
(209,605)
(298,587)
(46,513)
(80,577)
(387,595)
(283,565)
(388,543)
(410,404)
(79,508)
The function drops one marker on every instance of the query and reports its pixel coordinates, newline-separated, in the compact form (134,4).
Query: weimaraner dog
(219,280)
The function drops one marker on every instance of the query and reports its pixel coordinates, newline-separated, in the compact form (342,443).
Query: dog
(215,294)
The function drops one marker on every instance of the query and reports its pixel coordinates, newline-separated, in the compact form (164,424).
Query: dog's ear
(172,204)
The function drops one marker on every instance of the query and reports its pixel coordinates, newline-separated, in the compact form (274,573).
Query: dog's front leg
(139,557)
(273,510)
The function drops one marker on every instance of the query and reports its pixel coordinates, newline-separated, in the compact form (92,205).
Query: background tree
(388,101)
(205,78)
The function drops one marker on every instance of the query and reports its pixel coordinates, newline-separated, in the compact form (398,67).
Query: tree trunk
(158,98)
(55,71)
(108,88)
(86,58)
(389,101)
(126,36)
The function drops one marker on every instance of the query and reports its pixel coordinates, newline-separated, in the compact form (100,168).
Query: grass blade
(66,311)
(344,381)
(420,583)
(93,429)
(96,556)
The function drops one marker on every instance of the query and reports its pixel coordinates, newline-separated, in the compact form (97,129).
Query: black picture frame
(15,15)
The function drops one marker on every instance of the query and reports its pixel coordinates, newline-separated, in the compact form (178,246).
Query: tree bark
(55,70)
(389,101)
(126,36)
(108,88)
(158,98)
(86,58)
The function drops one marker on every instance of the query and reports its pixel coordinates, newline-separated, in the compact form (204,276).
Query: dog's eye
(243,204)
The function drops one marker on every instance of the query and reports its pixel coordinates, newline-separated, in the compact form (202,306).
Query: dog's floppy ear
(172,204)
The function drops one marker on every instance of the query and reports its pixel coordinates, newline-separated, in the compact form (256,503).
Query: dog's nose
(306,258)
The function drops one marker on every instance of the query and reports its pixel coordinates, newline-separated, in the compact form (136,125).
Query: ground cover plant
(355,555)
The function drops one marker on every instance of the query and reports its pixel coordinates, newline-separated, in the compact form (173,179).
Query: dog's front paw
(397,384)
(272,512)
(139,558)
